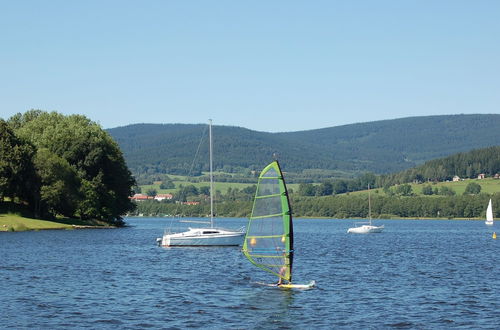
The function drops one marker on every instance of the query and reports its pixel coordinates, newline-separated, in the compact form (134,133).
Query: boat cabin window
(210,232)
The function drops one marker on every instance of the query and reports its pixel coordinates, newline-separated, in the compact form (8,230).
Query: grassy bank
(14,222)
(17,217)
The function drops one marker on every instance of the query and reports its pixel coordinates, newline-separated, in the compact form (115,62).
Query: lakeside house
(456,178)
(480,176)
(140,197)
(161,197)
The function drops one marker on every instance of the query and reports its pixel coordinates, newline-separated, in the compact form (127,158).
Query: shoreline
(16,223)
(325,218)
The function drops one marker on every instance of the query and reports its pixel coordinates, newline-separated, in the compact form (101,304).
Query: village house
(456,178)
(140,197)
(480,176)
(161,197)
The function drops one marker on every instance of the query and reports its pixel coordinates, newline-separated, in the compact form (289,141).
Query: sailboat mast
(211,175)
(369,205)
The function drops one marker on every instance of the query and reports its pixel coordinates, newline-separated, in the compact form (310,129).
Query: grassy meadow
(488,186)
(221,186)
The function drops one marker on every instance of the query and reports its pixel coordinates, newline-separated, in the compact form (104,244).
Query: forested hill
(380,147)
(464,165)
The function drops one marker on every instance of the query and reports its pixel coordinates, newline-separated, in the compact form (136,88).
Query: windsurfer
(281,273)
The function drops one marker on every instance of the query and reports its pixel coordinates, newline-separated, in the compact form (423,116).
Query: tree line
(356,206)
(63,166)
(234,204)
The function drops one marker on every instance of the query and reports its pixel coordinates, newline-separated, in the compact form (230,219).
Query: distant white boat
(489,215)
(210,236)
(366,227)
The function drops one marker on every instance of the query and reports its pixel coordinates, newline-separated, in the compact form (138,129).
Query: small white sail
(489,215)
(366,228)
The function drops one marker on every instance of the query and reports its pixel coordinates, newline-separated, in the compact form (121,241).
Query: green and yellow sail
(269,237)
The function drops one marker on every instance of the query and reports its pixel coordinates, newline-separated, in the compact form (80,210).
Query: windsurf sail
(269,237)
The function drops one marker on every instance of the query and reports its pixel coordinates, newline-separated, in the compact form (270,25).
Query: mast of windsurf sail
(287,222)
(211,175)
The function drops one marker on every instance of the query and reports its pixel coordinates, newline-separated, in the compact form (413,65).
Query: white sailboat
(489,215)
(366,227)
(209,236)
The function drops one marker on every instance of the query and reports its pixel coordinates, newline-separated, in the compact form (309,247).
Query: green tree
(17,176)
(59,184)
(186,191)
(167,185)
(446,191)
(106,182)
(137,189)
(307,189)
(324,189)
(339,187)
(427,190)
(250,190)
(204,190)
(404,190)
(151,192)
(472,189)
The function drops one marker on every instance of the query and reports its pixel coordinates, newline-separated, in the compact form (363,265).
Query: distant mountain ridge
(380,147)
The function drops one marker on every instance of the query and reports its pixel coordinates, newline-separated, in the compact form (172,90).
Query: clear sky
(264,65)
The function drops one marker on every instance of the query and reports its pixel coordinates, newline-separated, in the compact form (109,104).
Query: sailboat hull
(366,229)
(203,237)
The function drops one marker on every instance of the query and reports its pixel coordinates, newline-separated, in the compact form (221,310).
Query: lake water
(416,274)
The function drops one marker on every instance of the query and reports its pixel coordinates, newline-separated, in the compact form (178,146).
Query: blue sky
(264,65)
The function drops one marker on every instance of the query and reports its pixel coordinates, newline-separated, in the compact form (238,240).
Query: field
(488,186)
(221,186)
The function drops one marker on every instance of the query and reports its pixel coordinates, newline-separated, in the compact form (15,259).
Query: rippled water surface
(416,274)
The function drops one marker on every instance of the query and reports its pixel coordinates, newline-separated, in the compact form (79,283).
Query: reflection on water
(416,274)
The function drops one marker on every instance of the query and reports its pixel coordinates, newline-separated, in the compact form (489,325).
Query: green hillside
(405,194)
(464,165)
(380,147)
